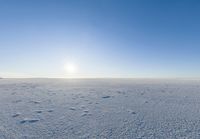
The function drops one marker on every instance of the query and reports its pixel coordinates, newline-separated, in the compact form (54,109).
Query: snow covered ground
(99,108)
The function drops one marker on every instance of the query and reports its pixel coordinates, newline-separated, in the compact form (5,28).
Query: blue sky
(101,38)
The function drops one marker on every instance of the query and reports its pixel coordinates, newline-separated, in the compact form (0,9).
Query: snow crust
(99,108)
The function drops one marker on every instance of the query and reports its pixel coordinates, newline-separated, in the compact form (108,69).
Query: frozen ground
(99,108)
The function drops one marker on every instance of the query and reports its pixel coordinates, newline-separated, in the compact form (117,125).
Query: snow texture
(99,108)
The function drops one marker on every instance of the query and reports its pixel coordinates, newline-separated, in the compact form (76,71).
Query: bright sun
(70,68)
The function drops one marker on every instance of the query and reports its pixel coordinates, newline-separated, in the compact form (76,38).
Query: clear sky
(100,38)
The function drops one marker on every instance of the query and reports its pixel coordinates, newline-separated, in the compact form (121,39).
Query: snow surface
(99,108)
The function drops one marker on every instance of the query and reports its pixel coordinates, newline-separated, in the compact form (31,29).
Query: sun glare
(70,68)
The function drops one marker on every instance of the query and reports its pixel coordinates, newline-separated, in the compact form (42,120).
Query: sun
(70,68)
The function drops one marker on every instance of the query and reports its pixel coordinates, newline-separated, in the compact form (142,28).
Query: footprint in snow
(82,97)
(38,111)
(35,102)
(26,120)
(142,94)
(121,92)
(17,101)
(50,111)
(13,93)
(86,114)
(131,112)
(86,111)
(73,109)
(33,120)
(16,115)
(106,97)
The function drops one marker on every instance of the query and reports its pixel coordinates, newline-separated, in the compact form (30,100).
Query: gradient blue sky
(103,38)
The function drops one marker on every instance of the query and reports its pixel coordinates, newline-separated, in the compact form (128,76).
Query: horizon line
(191,78)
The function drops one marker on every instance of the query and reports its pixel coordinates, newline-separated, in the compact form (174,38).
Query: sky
(100,38)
